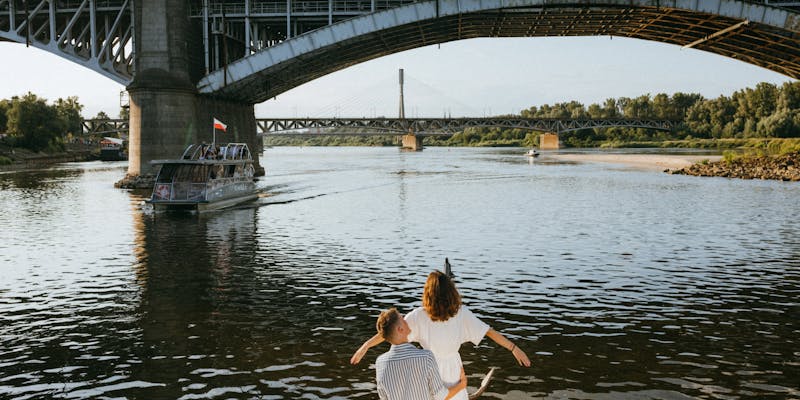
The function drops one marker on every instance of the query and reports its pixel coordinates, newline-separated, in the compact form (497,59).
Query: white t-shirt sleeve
(472,329)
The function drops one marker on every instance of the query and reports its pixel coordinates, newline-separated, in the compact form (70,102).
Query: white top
(444,339)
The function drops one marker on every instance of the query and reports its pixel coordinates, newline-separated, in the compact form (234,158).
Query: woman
(441,325)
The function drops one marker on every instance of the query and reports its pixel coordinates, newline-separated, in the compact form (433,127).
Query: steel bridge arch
(96,35)
(752,32)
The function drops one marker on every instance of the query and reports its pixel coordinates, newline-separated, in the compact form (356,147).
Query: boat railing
(187,191)
(227,152)
(180,191)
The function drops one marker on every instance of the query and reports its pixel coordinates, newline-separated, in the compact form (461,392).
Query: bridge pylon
(409,141)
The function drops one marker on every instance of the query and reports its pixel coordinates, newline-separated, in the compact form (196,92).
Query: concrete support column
(166,111)
(548,141)
(162,123)
(412,142)
(241,121)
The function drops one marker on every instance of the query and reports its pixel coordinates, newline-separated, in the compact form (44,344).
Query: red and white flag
(219,125)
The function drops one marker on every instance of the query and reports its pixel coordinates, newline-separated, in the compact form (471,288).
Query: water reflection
(46,180)
(618,284)
(220,316)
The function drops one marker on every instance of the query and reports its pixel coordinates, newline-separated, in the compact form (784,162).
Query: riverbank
(653,162)
(15,159)
(785,167)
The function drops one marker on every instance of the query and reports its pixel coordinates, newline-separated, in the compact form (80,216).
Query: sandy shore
(657,162)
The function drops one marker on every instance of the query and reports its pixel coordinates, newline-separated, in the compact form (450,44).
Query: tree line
(30,122)
(766,111)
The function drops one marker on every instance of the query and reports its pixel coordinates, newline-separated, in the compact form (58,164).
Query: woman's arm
(520,355)
(359,354)
(461,385)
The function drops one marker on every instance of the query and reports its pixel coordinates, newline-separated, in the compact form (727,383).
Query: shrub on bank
(5,160)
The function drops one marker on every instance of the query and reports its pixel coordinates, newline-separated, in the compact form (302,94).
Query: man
(406,372)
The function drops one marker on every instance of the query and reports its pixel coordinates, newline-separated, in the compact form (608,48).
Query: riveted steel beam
(442,126)
(770,39)
(76,30)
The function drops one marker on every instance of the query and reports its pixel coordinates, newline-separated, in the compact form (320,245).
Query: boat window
(217,171)
(166,173)
(200,173)
(191,173)
(229,170)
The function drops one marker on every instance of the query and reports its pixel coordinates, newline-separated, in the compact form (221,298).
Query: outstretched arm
(359,354)
(520,355)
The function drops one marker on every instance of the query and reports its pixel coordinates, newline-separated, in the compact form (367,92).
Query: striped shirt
(408,373)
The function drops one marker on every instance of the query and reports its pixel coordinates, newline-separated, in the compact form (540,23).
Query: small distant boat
(112,149)
(205,178)
(532,153)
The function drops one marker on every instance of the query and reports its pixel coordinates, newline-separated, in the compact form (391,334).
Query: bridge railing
(236,10)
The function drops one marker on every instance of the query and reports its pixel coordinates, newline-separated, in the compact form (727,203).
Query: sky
(476,77)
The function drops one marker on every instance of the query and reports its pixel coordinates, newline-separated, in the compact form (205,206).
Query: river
(618,283)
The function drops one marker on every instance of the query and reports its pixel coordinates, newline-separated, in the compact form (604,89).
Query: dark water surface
(620,284)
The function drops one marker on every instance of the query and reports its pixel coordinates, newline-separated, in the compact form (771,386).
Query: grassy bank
(16,158)
(766,146)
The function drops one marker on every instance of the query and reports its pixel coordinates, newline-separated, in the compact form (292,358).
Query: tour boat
(205,178)
(532,153)
(112,149)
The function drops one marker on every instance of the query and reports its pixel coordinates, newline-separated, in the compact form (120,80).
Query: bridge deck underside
(765,46)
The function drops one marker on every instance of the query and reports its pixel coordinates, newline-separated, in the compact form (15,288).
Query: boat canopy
(227,152)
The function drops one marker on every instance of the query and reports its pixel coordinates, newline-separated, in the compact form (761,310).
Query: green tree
(789,96)
(779,124)
(34,123)
(5,105)
(69,114)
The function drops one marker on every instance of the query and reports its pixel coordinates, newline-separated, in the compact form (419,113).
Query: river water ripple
(618,283)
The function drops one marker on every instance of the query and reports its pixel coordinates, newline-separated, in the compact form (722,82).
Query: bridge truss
(402,126)
(252,50)
(95,33)
(104,126)
(307,43)
(442,126)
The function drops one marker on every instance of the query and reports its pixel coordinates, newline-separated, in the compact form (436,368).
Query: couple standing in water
(441,325)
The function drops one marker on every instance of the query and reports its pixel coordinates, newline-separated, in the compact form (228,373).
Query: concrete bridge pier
(166,111)
(548,141)
(411,142)
(164,121)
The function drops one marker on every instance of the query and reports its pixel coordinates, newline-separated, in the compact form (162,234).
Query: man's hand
(462,379)
(458,387)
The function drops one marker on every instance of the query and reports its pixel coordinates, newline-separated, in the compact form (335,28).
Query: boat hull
(202,205)
(112,155)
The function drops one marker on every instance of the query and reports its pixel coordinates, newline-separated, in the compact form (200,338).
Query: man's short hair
(386,323)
